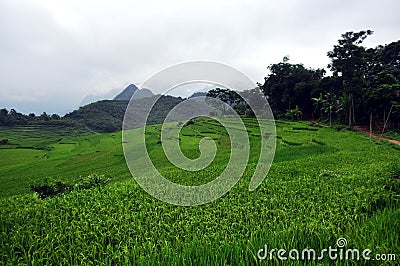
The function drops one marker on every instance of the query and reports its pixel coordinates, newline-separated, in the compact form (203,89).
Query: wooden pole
(370,126)
(387,119)
(350,110)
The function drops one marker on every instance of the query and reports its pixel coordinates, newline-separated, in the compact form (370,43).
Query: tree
(44,117)
(384,58)
(382,96)
(227,96)
(331,104)
(349,61)
(55,117)
(290,85)
(14,118)
(294,114)
(4,117)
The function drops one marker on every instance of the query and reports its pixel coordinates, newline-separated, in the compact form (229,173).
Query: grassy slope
(51,153)
(392,134)
(323,185)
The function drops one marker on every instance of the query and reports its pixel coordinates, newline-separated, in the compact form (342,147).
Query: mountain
(127,93)
(101,116)
(107,115)
(143,93)
(198,94)
(124,95)
(91,98)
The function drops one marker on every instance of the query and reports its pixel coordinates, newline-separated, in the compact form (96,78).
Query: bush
(50,190)
(294,114)
(58,188)
(394,172)
(249,113)
(91,181)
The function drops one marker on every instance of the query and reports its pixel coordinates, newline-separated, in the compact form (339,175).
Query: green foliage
(51,190)
(382,96)
(232,98)
(289,85)
(107,116)
(102,116)
(394,172)
(227,96)
(363,81)
(90,181)
(325,183)
(59,188)
(160,109)
(36,152)
(294,114)
(12,117)
(249,113)
(329,104)
(15,119)
(322,185)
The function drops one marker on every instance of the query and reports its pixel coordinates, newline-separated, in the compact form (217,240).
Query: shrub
(294,114)
(394,172)
(51,189)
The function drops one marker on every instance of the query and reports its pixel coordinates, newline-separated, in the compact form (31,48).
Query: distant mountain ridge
(128,92)
(198,94)
(92,98)
(107,115)
(104,115)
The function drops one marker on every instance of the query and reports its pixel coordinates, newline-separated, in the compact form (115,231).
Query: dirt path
(365,131)
(375,136)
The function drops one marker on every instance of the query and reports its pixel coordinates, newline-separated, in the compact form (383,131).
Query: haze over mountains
(127,93)
(117,94)
(103,115)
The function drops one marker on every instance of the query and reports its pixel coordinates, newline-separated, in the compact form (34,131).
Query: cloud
(54,53)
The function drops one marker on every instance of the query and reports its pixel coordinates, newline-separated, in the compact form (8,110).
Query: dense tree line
(13,118)
(363,86)
(102,116)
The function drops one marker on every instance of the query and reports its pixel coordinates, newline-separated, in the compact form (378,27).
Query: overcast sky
(54,53)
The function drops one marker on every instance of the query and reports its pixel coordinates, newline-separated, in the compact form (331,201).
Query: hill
(198,94)
(107,116)
(127,93)
(102,116)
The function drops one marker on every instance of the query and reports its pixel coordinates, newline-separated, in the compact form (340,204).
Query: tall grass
(331,185)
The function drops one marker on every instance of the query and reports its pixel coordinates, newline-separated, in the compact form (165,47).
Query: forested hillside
(362,88)
(102,116)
